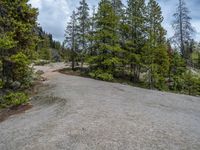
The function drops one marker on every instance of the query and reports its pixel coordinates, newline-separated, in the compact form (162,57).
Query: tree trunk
(73,63)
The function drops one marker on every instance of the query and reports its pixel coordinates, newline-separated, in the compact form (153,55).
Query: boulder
(40,72)
(15,85)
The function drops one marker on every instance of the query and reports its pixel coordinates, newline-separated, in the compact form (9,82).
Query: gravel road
(75,113)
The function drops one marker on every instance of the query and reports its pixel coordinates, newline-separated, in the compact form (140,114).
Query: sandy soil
(75,113)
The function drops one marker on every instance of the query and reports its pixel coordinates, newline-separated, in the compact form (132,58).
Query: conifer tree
(106,42)
(92,32)
(136,39)
(83,28)
(119,11)
(18,21)
(17,30)
(176,69)
(117,7)
(155,56)
(182,27)
(71,37)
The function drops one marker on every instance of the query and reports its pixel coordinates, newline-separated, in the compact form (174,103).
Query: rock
(40,72)
(15,85)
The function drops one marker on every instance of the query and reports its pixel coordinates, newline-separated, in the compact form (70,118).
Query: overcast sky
(54,14)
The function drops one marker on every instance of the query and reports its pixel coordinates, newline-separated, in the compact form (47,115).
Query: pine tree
(155,56)
(92,32)
(106,42)
(17,30)
(83,28)
(198,60)
(182,26)
(176,69)
(119,11)
(71,37)
(20,20)
(136,39)
(117,7)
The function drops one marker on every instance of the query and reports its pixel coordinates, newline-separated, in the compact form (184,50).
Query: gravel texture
(75,113)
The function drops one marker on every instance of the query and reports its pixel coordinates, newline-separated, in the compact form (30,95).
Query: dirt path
(74,113)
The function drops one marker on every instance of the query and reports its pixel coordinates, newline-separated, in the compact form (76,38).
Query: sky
(54,14)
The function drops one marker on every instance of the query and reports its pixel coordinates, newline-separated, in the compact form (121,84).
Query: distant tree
(189,49)
(182,27)
(47,47)
(91,33)
(176,70)
(83,27)
(71,37)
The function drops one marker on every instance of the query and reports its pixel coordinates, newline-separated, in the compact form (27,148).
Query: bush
(15,99)
(22,72)
(41,62)
(177,83)
(191,83)
(45,53)
(99,74)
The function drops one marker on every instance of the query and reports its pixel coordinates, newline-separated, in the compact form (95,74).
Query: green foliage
(22,72)
(107,55)
(47,48)
(83,27)
(45,53)
(6,42)
(1,84)
(41,62)
(18,21)
(14,99)
(198,61)
(176,71)
(155,57)
(99,74)
(71,38)
(17,24)
(191,83)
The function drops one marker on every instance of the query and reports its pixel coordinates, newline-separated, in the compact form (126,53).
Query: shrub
(15,99)
(99,74)
(41,62)
(45,53)
(191,83)
(22,72)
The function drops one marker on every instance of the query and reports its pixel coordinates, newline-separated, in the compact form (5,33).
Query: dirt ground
(75,113)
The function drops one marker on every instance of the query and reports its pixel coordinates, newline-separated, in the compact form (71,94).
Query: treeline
(128,42)
(47,48)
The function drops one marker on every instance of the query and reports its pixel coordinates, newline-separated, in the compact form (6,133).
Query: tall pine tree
(105,63)
(91,33)
(71,37)
(155,56)
(136,39)
(182,27)
(83,21)
(17,31)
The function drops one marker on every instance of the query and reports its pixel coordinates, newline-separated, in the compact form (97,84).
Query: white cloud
(53,16)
